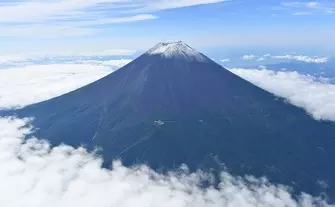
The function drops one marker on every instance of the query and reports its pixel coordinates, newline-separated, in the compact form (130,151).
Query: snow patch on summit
(177,50)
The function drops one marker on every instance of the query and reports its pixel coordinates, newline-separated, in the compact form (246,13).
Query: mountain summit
(173,105)
(177,50)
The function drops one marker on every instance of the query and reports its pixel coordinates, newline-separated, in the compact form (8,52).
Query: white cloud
(77,17)
(225,60)
(24,85)
(67,29)
(302,58)
(30,84)
(114,64)
(35,175)
(170,4)
(311,6)
(4,59)
(248,57)
(316,96)
(38,10)
(19,59)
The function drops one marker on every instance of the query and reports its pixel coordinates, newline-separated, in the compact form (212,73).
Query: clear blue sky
(216,27)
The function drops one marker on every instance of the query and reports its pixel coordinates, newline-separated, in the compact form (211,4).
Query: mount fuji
(173,105)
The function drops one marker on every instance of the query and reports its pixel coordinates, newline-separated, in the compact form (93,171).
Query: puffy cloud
(315,95)
(35,175)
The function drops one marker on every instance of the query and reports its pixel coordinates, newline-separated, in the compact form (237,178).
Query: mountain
(174,105)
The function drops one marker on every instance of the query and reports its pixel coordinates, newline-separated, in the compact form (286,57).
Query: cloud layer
(299,58)
(316,96)
(302,58)
(35,175)
(25,85)
(25,59)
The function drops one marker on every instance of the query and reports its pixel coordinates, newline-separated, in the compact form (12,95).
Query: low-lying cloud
(20,59)
(302,58)
(299,58)
(35,175)
(315,95)
(26,85)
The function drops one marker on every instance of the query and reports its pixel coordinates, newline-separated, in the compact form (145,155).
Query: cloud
(300,58)
(34,174)
(78,18)
(303,58)
(311,6)
(225,60)
(19,59)
(28,84)
(248,57)
(12,58)
(171,4)
(316,96)
(114,64)
(37,11)
(25,85)
(67,29)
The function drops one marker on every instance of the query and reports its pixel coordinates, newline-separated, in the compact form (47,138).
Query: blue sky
(217,27)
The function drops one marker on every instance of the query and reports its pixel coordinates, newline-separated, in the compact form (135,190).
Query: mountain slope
(173,105)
